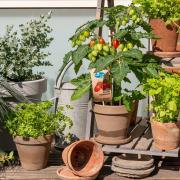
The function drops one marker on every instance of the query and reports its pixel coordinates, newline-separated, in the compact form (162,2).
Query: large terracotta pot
(112,123)
(166,135)
(168,36)
(84,158)
(33,153)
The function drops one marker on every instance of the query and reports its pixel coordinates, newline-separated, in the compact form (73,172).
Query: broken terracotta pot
(84,158)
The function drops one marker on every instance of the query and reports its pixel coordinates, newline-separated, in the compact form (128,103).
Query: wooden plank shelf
(141,143)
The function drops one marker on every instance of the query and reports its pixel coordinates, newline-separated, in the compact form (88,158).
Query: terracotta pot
(175,70)
(84,158)
(166,135)
(168,35)
(33,153)
(112,123)
(134,113)
(178,43)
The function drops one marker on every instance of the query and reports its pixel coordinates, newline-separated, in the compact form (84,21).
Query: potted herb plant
(164,18)
(117,59)
(165,105)
(21,51)
(32,126)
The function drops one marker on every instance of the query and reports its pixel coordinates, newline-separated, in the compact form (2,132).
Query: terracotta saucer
(111,141)
(65,173)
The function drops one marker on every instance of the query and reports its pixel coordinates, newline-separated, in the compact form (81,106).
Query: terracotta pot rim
(158,122)
(32,141)
(69,158)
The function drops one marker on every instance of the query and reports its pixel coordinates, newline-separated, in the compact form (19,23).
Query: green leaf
(133,53)
(77,67)
(83,85)
(119,71)
(102,63)
(80,53)
(127,101)
(120,34)
(66,59)
(172,105)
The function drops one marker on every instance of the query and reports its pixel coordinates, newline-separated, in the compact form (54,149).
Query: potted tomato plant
(116,60)
(32,127)
(22,51)
(165,105)
(164,18)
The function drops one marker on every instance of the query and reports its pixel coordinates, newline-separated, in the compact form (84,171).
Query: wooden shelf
(142,143)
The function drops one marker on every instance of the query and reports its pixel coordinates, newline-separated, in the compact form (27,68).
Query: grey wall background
(64,22)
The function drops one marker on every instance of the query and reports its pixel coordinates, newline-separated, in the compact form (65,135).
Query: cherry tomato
(101,41)
(129,45)
(86,33)
(92,43)
(106,48)
(121,47)
(124,22)
(82,38)
(131,12)
(115,43)
(134,17)
(98,87)
(94,53)
(125,49)
(106,86)
(99,47)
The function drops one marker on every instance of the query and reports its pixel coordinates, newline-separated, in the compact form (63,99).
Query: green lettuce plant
(36,119)
(167,10)
(121,57)
(165,93)
(24,49)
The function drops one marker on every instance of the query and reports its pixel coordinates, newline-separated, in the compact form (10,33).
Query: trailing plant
(121,57)
(36,119)
(22,50)
(6,157)
(165,93)
(167,10)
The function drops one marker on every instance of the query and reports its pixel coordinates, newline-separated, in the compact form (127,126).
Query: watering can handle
(60,76)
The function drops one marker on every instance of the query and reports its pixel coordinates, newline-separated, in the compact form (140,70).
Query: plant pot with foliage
(165,104)
(21,52)
(164,18)
(110,64)
(32,126)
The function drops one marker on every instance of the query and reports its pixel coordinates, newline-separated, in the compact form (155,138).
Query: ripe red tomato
(92,43)
(115,43)
(98,87)
(101,41)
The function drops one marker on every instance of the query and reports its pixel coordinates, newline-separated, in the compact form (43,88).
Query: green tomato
(134,17)
(106,48)
(78,42)
(99,47)
(121,47)
(93,59)
(105,53)
(125,49)
(90,56)
(112,51)
(95,47)
(137,20)
(129,45)
(124,22)
(94,53)
(86,34)
(82,38)
(131,12)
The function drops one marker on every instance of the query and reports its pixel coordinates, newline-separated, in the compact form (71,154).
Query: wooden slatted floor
(141,143)
(166,169)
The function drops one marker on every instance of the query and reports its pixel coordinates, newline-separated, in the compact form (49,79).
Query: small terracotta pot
(175,70)
(112,123)
(166,135)
(84,158)
(168,36)
(33,153)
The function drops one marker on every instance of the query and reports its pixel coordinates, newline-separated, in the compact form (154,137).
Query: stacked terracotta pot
(133,167)
(83,159)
